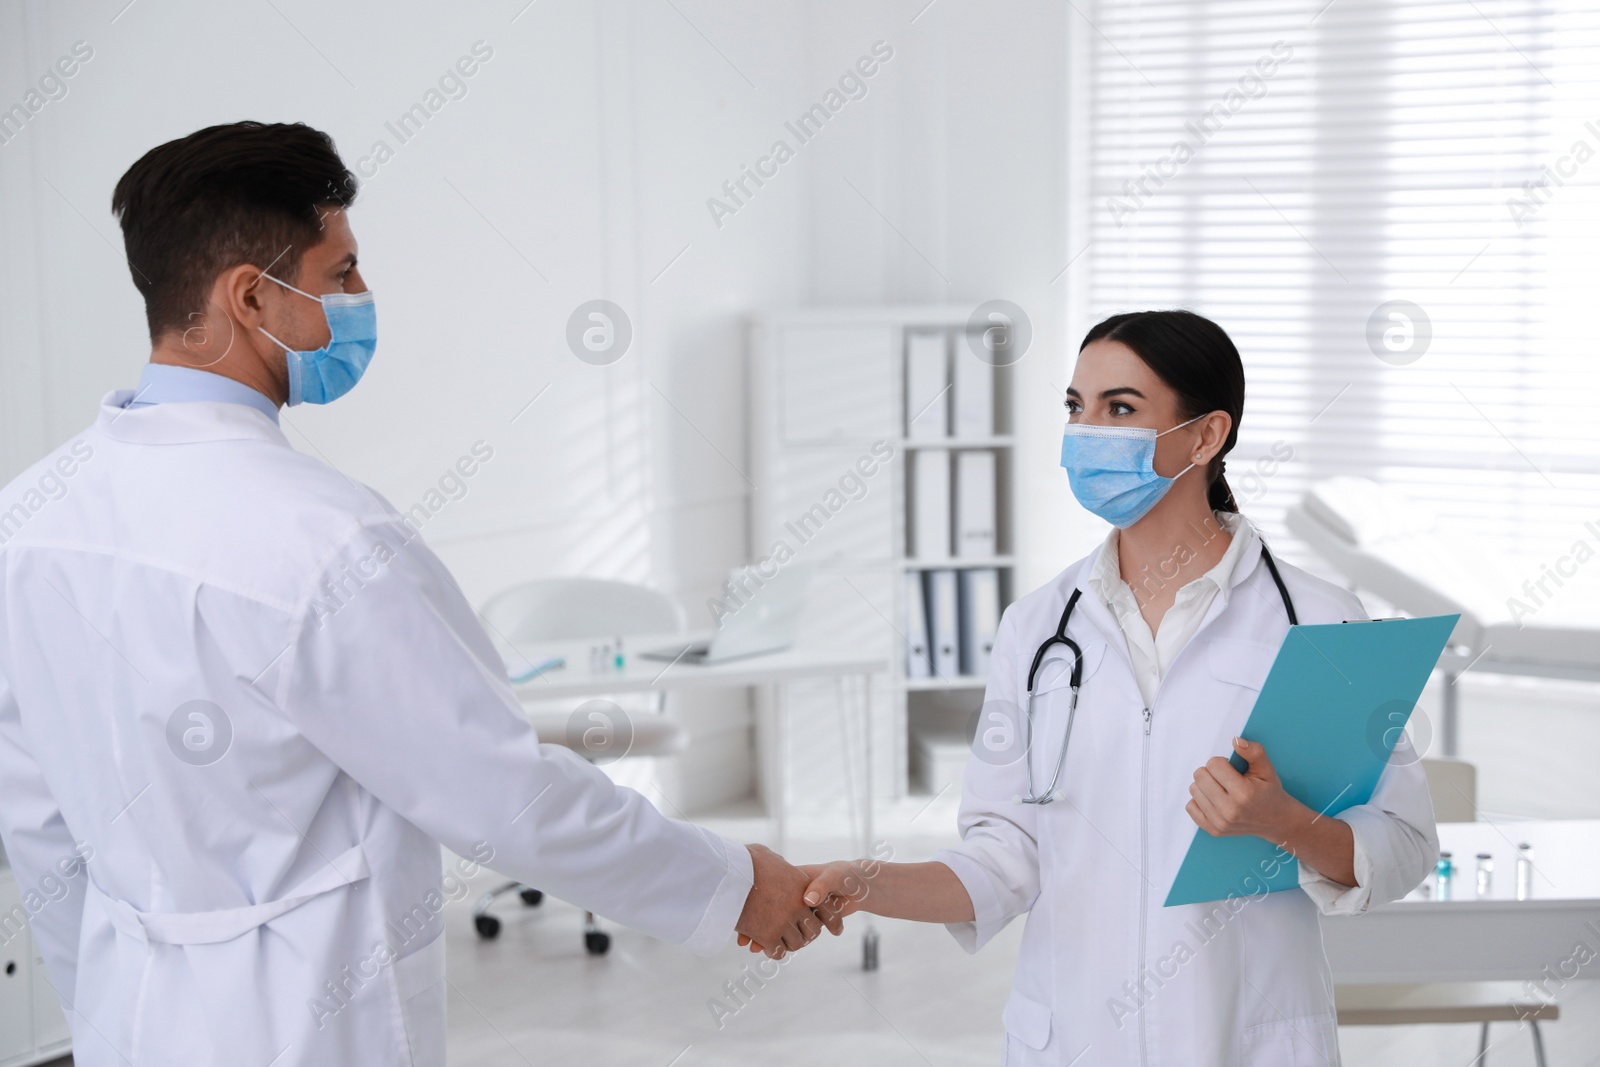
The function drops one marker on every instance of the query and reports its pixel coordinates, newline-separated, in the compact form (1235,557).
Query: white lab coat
(1105,972)
(281,904)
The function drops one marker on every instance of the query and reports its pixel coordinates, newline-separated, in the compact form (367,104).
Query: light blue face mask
(1112,470)
(333,370)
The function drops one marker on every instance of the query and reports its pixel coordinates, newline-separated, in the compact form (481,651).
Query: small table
(1497,937)
(807,660)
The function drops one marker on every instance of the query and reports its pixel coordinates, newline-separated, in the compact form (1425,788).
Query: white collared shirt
(1151,655)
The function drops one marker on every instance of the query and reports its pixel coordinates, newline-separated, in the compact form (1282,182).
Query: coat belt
(225,924)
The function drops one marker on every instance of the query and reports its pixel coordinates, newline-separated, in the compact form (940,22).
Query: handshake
(789,906)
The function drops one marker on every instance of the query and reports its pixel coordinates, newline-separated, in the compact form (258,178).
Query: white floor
(534,997)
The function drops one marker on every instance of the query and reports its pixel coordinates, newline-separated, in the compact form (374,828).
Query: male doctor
(241,704)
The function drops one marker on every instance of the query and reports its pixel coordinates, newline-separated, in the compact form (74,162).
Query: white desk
(577,682)
(641,674)
(1499,937)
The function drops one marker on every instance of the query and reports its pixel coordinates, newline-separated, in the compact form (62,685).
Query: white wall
(577,165)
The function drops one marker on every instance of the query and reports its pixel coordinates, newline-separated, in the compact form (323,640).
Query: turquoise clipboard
(1329,714)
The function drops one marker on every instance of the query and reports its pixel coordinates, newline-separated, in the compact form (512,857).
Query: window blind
(1393,206)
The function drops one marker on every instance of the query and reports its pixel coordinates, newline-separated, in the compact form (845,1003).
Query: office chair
(1453,785)
(577,609)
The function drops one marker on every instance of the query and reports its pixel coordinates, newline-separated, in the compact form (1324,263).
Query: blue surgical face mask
(333,370)
(1112,470)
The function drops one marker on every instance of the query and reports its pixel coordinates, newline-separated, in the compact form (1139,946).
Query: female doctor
(1166,631)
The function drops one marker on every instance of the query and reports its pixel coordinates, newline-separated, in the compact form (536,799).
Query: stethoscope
(1060,638)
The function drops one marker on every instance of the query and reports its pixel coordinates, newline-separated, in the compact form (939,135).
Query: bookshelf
(827,387)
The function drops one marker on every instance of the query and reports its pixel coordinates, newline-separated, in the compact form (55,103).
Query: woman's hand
(838,888)
(923,892)
(1226,803)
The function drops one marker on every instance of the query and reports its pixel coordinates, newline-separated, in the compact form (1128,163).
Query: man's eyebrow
(347,262)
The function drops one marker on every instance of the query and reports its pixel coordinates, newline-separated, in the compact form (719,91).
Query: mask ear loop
(289,366)
(318,299)
(1180,426)
(1163,433)
(274,340)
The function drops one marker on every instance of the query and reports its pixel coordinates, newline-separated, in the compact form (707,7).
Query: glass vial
(1524,871)
(1443,871)
(1485,882)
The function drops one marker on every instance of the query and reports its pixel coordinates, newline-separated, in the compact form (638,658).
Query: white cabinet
(830,396)
(16,975)
(834,383)
(32,1028)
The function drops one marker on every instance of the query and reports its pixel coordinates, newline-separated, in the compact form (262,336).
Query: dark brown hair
(247,192)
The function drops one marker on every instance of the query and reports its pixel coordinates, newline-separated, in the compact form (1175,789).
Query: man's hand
(776,918)
(1227,803)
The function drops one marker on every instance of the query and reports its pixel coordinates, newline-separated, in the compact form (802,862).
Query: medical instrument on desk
(1524,871)
(1060,637)
(1442,873)
(550,663)
(1485,880)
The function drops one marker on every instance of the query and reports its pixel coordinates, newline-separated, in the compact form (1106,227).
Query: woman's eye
(1119,408)
(1073,407)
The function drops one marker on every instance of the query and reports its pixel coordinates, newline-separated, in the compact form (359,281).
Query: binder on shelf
(975,503)
(918,662)
(973,399)
(930,503)
(927,386)
(980,618)
(944,623)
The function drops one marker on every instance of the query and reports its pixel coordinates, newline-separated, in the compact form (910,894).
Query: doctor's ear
(1214,428)
(236,293)
(243,290)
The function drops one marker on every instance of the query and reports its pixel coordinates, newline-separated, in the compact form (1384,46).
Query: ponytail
(1218,495)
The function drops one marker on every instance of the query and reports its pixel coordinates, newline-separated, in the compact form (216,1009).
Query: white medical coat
(1105,972)
(265,883)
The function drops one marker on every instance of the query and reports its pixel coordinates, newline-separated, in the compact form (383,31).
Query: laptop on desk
(757,615)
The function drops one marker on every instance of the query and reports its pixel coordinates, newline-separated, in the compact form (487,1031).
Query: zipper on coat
(1144,869)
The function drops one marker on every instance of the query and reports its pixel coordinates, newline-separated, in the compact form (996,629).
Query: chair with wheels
(576,609)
